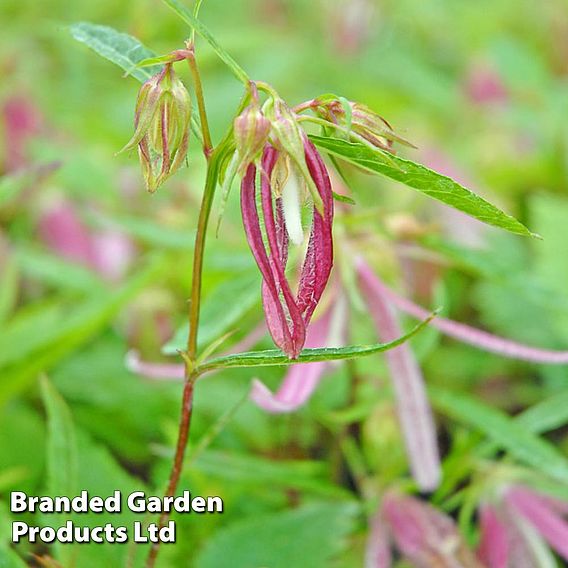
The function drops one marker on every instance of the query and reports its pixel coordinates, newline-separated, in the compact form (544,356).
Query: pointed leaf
(124,50)
(275,357)
(423,179)
(509,434)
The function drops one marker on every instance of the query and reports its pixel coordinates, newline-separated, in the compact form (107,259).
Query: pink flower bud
(424,535)
(163,113)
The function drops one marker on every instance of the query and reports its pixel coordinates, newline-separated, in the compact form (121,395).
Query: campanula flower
(422,534)
(289,164)
(515,526)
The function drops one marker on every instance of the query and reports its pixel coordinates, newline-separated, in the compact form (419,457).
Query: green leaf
(309,476)
(221,311)
(505,431)
(196,25)
(122,49)
(22,362)
(547,415)
(147,230)
(61,443)
(275,357)
(9,287)
(423,179)
(311,535)
(343,198)
(62,462)
(13,184)
(8,557)
(57,272)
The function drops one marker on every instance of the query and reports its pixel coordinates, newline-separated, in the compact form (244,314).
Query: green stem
(207,144)
(190,355)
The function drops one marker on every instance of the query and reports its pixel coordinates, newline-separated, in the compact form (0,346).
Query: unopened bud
(252,129)
(162,117)
(366,123)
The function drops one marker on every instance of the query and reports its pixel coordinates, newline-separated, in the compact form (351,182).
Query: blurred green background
(480,87)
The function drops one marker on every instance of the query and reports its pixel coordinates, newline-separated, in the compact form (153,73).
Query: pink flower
(301,380)
(22,121)
(413,408)
(422,534)
(287,314)
(484,85)
(476,337)
(542,514)
(514,528)
(109,252)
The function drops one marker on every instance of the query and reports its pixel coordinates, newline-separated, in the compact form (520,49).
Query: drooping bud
(287,314)
(361,120)
(162,116)
(251,135)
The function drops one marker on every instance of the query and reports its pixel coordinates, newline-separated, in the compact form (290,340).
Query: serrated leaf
(308,536)
(421,178)
(505,431)
(186,15)
(124,50)
(275,357)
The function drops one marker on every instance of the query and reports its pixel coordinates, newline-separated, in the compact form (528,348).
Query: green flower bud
(161,121)
(252,129)
(363,121)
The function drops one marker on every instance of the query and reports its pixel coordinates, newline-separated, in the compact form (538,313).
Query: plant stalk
(190,355)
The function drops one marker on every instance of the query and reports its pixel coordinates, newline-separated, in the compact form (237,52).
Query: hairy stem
(190,355)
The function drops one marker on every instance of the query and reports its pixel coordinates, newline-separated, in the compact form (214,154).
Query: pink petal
(541,516)
(22,121)
(377,550)
(414,411)
(300,381)
(288,335)
(113,254)
(278,246)
(61,229)
(485,86)
(477,337)
(165,371)
(426,536)
(494,546)
(319,256)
